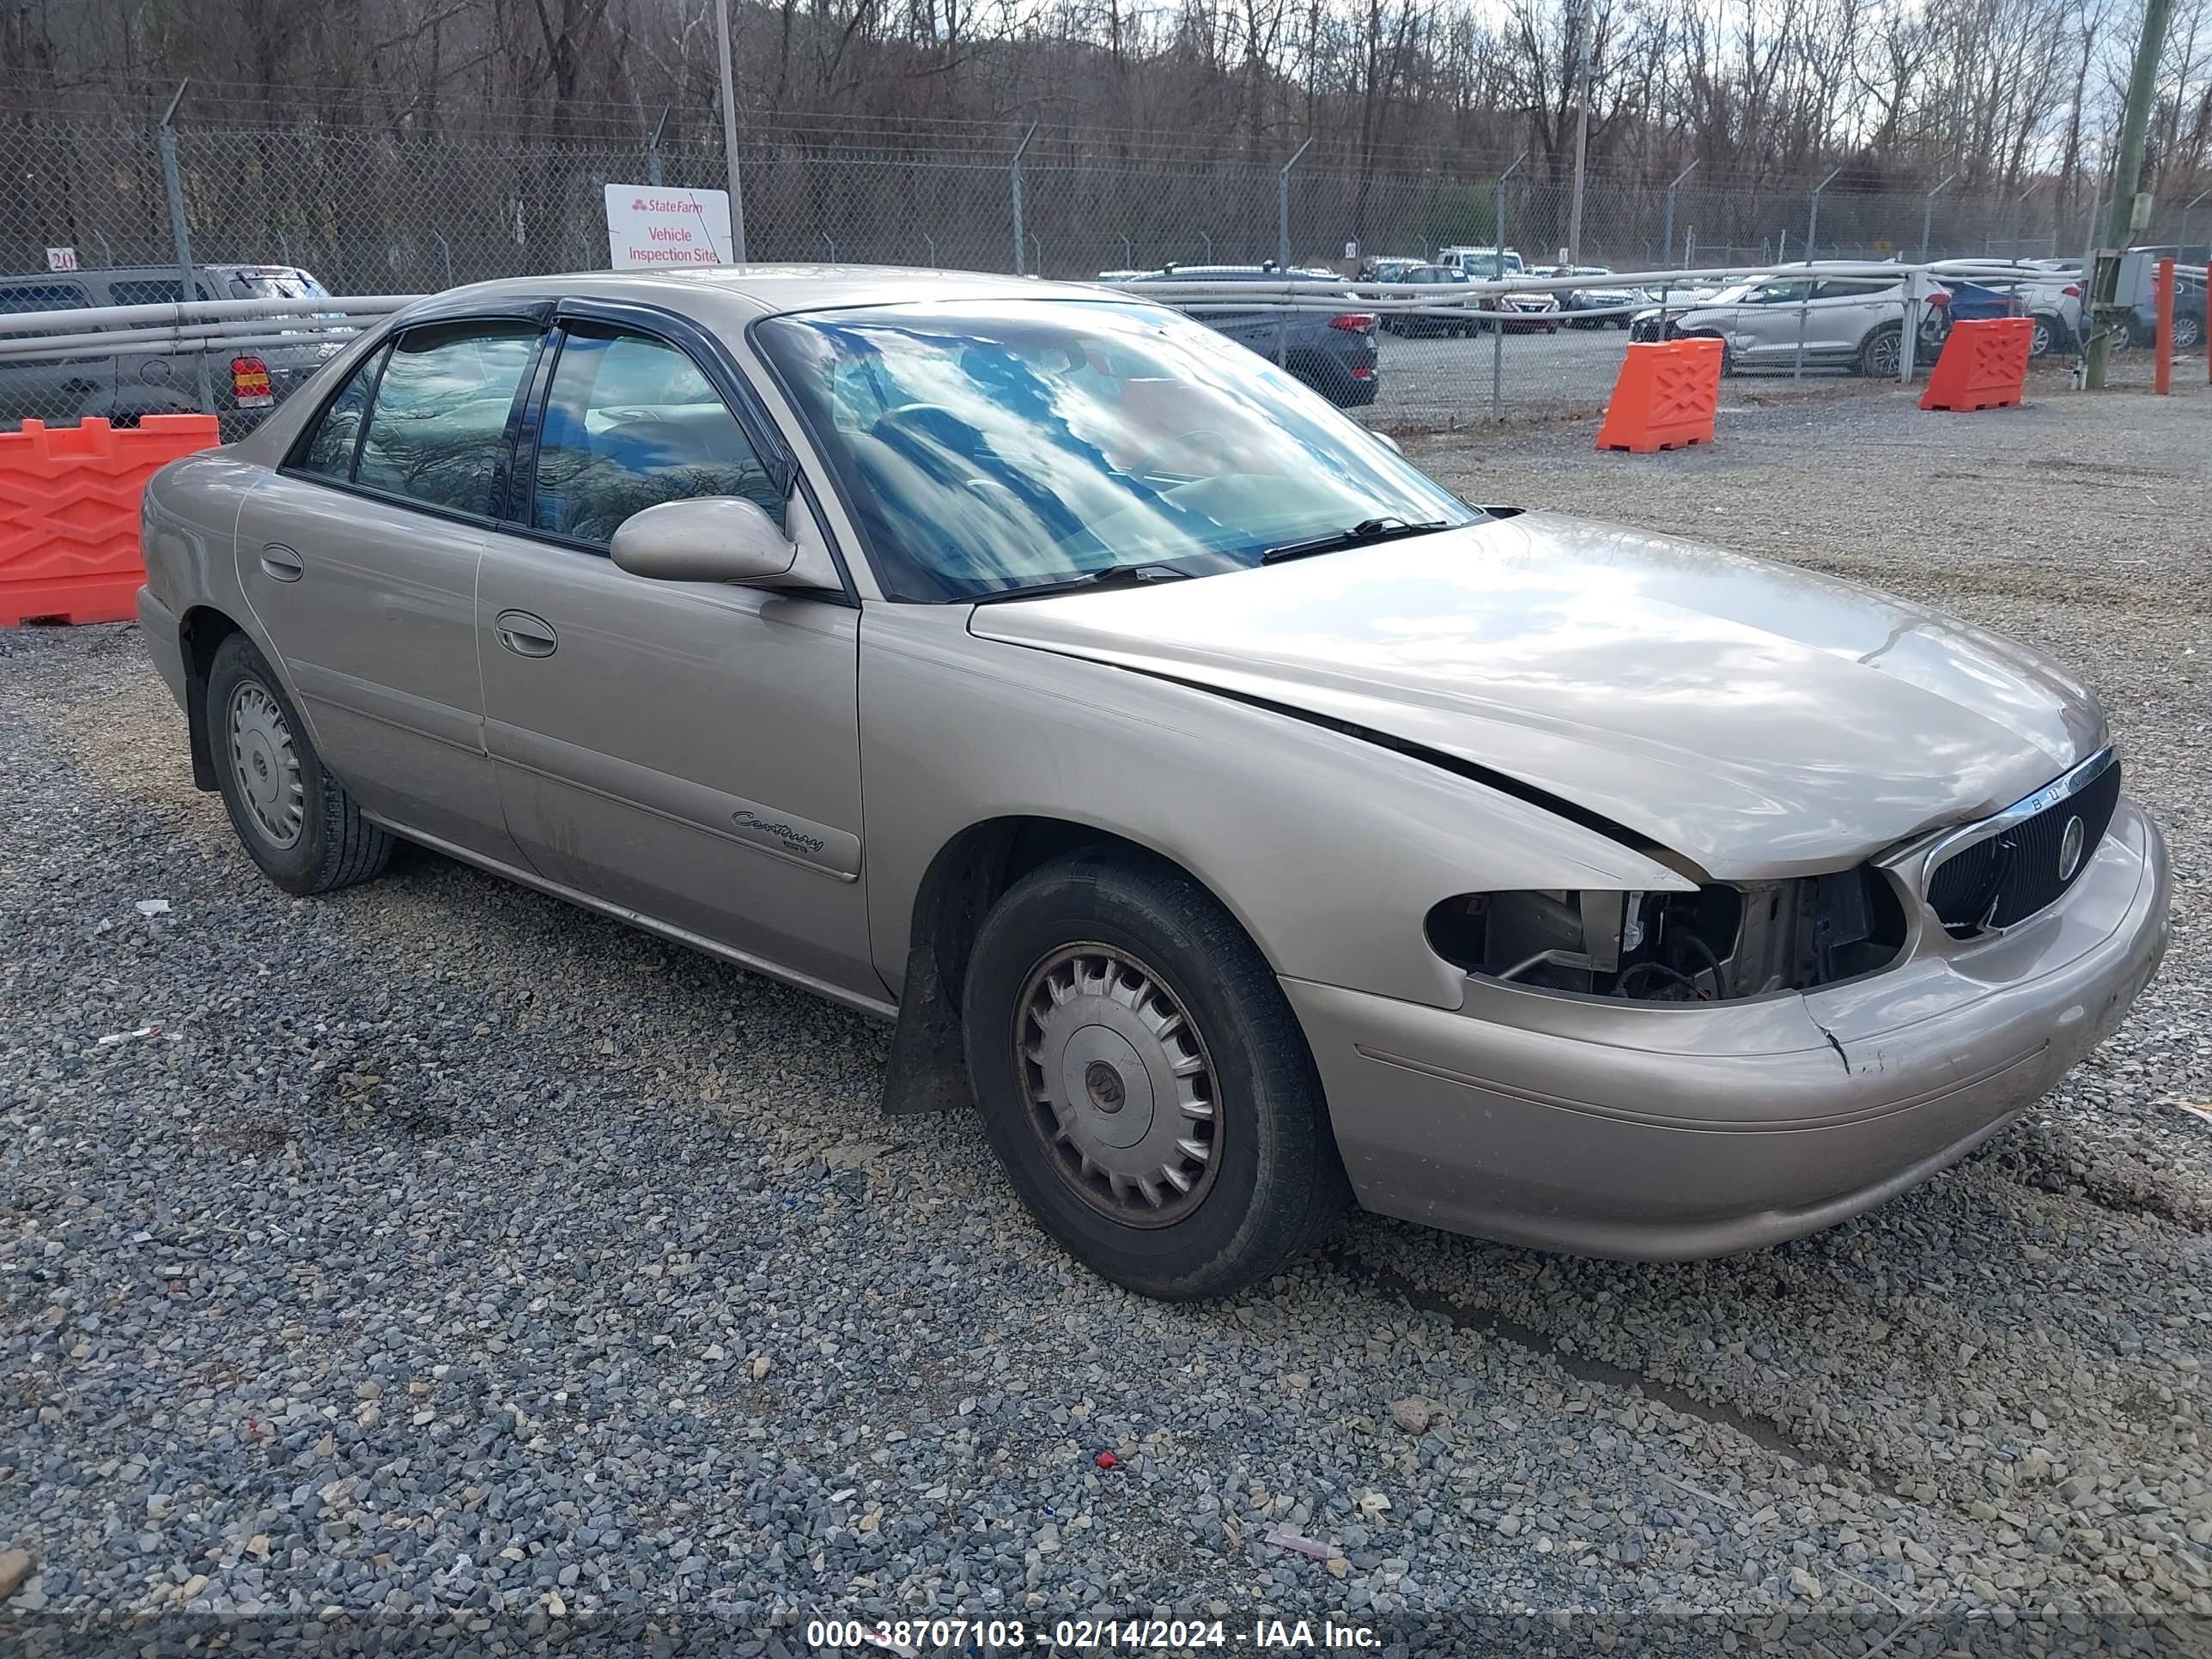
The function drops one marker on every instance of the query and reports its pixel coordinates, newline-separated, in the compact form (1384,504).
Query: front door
(688,751)
(359,556)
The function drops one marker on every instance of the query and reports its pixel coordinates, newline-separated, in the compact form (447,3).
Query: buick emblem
(2069,848)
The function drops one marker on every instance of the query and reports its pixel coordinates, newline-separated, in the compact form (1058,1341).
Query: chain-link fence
(377,210)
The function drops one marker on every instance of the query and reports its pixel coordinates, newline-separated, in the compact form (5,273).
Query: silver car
(1242,822)
(1841,322)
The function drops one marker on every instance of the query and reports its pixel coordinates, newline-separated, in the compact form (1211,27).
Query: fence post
(1014,178)
(1497,314)
(172,181)
(446,249)
(1129,254)
(1667,242)
(2016,220)
(730,132)
(652,149)
(2163,343)
(1928,212)
(1812,247)
(1282,209)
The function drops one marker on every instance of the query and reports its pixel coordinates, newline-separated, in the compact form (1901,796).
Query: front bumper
(1666,1132)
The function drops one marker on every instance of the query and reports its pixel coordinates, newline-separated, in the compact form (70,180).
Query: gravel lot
(448,1253)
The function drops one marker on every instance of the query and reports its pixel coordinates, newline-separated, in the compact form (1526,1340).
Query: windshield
(990,447)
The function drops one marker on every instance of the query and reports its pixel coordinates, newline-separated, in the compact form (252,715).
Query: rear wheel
(1144,1082)
(2044,338)
(293,819)
(2188,333)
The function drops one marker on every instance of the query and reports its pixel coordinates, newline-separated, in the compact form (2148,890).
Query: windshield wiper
(1113,575)
(1365,534)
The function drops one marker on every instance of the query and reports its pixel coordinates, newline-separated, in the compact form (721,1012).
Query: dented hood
(1759,719)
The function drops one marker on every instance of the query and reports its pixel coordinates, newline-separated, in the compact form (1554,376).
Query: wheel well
(928,1070)
(201,634)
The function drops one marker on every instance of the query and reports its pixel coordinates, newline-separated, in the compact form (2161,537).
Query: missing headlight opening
(1721,943)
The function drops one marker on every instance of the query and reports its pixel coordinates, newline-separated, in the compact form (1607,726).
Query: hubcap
(1886,354)
(1121,1089)
(266,766)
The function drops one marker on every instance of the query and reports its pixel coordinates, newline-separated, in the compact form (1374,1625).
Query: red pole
(2163,381)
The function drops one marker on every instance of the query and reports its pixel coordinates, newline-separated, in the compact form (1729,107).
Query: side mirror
(707,539)
(1387,442)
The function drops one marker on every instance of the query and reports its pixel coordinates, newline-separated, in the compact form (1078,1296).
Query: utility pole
(1578,19)
(730,133)
(2125,217)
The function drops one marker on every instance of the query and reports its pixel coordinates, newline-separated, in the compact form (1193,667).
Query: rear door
(47,388)
(1846,309)
(688,751)
(359,560)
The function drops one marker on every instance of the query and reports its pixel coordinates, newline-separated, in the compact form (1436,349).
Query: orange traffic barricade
(1666,397)
(1983,365)
(68,513)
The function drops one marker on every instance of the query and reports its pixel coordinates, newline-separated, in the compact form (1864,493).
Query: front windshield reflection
(987,449)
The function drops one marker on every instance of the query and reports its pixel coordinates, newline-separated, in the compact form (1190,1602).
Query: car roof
(740,293)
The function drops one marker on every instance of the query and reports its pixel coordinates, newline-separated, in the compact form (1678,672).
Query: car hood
(1759,720)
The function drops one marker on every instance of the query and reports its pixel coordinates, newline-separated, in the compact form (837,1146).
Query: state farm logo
(663,204)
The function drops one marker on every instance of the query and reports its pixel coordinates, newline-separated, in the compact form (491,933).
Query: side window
(1847,287)
(1776,294)
(329,453)
(631,423)
(41,296)
(146,293)
(440,416)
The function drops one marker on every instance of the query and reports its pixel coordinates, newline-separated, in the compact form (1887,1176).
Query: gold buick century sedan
(1241,822)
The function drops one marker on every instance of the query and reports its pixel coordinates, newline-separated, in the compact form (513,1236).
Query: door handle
(281,562)
(524,635)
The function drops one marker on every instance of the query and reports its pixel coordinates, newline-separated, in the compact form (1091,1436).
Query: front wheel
(1144,1082)
(293,819)
(2188,333)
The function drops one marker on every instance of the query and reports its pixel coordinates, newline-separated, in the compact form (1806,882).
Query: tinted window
(631,423)
(41,296)
(1848,288)
(156,292)
(329,453)
(440,413)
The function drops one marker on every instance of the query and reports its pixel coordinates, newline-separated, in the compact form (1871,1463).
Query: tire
(2188,333)
(1269,1184)
(1882,353)
(1327,376)
(2045,338)
(308,838)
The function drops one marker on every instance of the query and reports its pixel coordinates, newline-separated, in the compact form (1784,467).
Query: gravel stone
(446,1248)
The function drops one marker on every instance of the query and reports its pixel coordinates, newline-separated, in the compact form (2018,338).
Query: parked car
(2188,315)
(1388,268)
(1523,313)
(1241,821)
(1481,262)
(1332,352)
(1616,303)
(1451,325)
(121,386)
(2051,299)
(1845,322)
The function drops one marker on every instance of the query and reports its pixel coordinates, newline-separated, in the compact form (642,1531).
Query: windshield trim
(840,487)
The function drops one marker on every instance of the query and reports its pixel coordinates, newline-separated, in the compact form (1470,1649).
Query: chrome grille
(2024,859)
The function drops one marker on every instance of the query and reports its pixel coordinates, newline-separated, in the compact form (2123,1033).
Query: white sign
(1352,250)
(61,258)
(650,225)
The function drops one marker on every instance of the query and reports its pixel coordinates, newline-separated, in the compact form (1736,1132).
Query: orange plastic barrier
(1983,365)
(68,513)
(1666,397)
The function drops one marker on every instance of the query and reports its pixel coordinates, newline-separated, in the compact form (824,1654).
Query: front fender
(1329,850)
